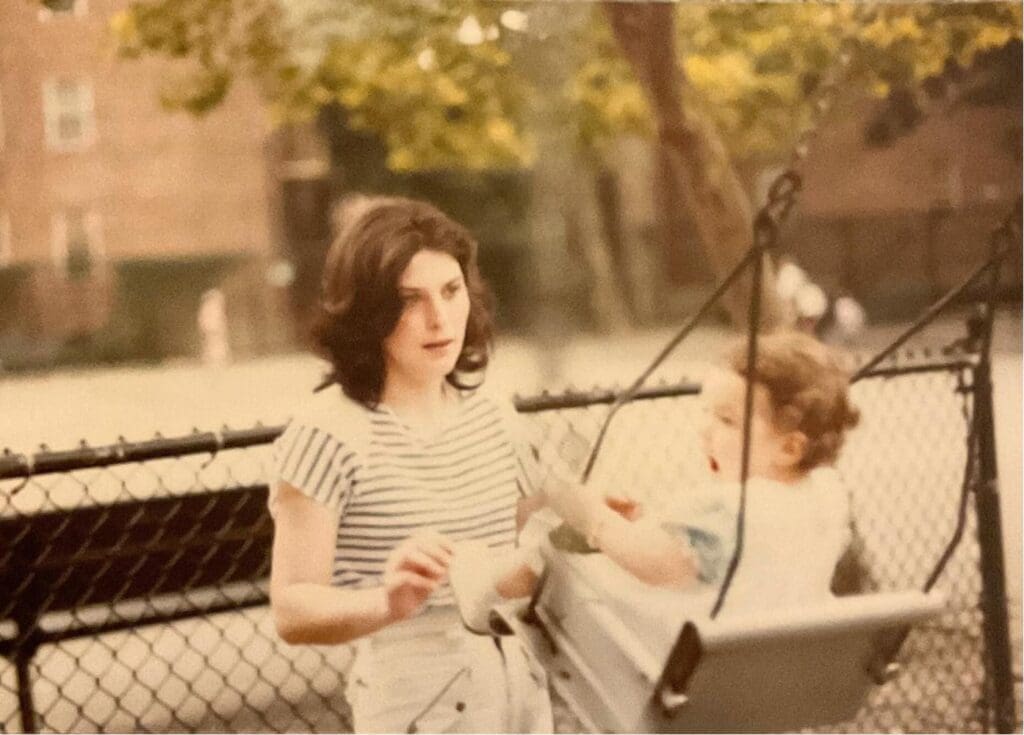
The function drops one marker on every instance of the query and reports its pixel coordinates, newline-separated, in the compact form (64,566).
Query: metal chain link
(786,185)
(226,670)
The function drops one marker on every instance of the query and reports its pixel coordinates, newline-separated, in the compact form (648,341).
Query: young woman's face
(722,436)
(427,340)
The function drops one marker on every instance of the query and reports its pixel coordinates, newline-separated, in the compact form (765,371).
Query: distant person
(213,326)
(797,514)
(835,320)
(381,475)
(849,319)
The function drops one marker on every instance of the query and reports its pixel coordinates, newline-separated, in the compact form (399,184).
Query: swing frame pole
(996,625)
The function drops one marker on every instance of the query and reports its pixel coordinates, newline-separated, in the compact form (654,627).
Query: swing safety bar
(631,658)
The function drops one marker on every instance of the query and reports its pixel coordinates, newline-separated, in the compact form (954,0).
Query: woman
(380,476)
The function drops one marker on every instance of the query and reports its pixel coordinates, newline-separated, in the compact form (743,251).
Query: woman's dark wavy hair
(360,304)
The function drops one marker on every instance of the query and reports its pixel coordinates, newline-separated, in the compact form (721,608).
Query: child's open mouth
(713,464)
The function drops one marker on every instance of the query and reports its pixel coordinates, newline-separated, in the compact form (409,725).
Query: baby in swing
(797,514)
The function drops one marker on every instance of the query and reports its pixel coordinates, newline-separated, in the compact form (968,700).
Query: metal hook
(218,437)
(30,462)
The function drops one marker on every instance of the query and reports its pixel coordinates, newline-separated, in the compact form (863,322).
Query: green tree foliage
(436,80)
(752,68)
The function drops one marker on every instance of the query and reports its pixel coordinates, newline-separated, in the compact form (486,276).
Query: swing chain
(787,184)
(1007,235)
(825,91)
(781,197)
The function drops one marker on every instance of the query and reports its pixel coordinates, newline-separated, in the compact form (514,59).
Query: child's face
(774,454)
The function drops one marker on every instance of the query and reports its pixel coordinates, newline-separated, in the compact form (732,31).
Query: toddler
(797,515)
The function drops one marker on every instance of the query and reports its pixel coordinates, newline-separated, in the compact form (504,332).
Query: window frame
(54,111)
(79,9)
(92,226)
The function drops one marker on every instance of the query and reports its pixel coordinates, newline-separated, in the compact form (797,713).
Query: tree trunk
(630,215)
(587,241)
(563,215)
(697,158)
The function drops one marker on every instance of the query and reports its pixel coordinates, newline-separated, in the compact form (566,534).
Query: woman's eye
(451,289)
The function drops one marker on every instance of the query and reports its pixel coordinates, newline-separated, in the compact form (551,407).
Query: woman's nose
(436,316)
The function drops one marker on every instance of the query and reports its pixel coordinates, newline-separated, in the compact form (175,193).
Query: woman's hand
(413,571)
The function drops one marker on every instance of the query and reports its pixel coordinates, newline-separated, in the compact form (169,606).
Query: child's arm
(644,550)
(641,547)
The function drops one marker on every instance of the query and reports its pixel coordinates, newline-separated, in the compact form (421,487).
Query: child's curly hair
(808,388)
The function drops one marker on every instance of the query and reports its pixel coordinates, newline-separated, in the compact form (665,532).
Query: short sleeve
(526,439)
(315,462)
(705,521)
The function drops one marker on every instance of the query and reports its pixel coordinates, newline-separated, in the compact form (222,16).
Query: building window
(68,111)
(77,241)
(62,8)
(6,248)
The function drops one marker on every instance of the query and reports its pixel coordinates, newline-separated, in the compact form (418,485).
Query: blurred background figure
(213,326)
(848,318)
(841,319)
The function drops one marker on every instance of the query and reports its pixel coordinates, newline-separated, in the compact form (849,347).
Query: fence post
(990,540)
(23,655)
(25,614)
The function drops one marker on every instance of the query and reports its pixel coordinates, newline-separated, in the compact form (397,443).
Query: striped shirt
(387,481)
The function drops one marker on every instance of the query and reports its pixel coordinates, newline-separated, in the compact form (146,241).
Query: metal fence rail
(134,576)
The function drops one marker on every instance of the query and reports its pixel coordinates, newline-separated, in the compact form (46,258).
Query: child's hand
(626,507)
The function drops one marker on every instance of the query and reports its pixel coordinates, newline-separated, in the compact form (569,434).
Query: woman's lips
(439,346)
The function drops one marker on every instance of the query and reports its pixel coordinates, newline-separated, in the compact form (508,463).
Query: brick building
(898,224)
(103,193)
(116,216)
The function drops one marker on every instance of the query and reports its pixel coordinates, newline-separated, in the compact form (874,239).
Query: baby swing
(772,671)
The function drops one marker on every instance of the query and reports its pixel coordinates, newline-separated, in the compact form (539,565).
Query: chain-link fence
(134,576)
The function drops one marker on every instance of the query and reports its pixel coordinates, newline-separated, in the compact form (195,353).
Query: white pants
(430,674)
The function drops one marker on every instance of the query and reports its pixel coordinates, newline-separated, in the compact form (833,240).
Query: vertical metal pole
(990,540)
(990,528)
(26,706)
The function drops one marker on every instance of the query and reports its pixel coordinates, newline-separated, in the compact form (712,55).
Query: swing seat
(628,660)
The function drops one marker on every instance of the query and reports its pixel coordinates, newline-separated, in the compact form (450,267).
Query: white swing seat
(629,661)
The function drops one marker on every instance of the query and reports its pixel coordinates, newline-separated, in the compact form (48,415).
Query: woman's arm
(308,609)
